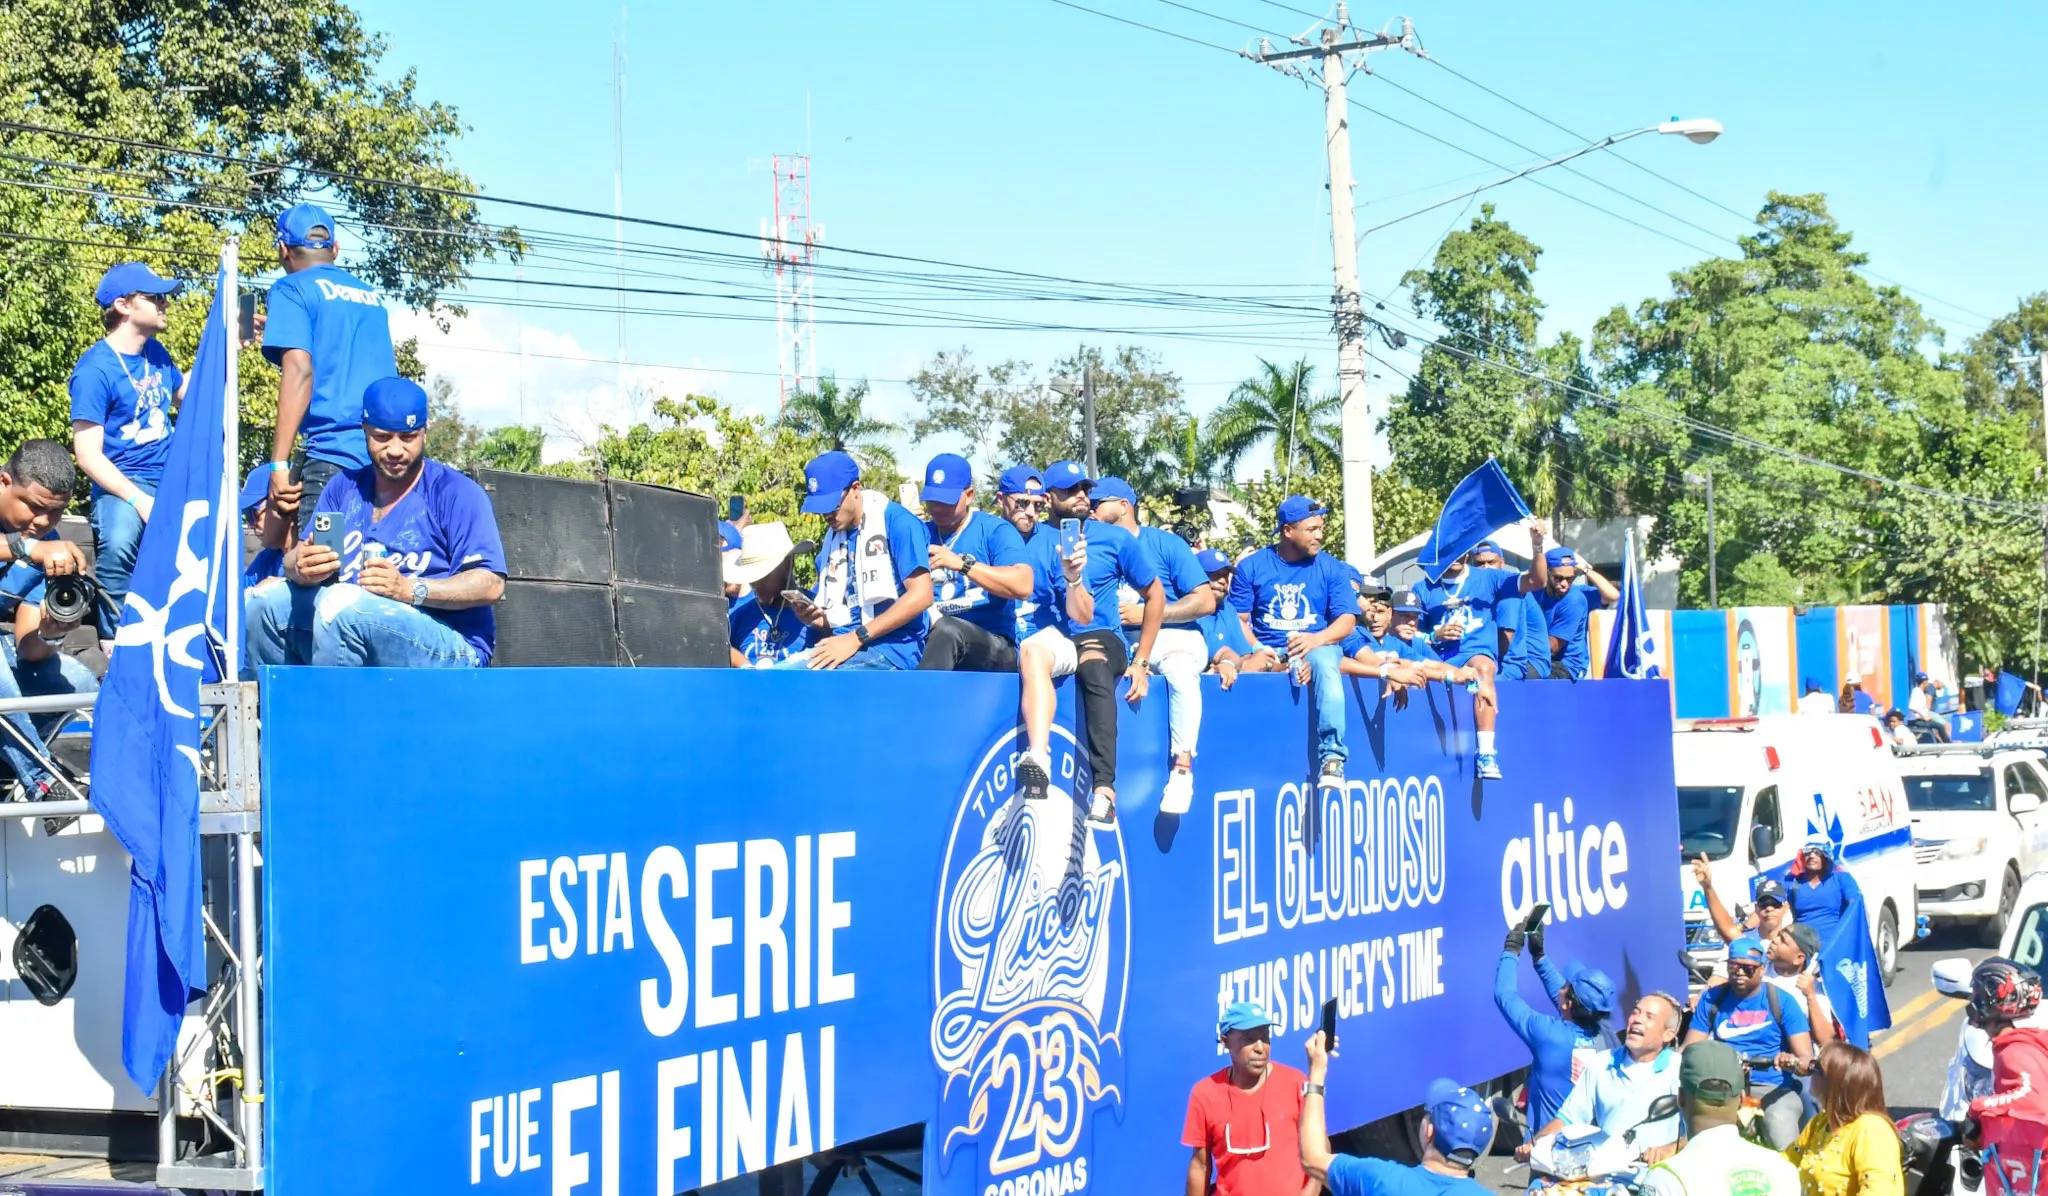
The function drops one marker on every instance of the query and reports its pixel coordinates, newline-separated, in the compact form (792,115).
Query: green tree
(451,438)
(1400,510)
(957,397)
(1278,409)
(263,102)
(512,447)
(838,417)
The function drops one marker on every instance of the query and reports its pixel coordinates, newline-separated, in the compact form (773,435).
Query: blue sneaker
(1489,766)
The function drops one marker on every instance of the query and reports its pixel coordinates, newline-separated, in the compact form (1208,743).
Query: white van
(1978,827)
(1751,790)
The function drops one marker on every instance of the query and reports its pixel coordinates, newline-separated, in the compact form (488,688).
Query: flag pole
(231,420)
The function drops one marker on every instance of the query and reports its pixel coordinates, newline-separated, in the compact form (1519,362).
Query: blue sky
(1027,135)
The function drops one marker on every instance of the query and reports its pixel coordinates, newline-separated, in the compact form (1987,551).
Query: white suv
(1978,827)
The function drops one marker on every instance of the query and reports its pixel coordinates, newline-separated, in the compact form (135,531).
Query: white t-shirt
(1788,986)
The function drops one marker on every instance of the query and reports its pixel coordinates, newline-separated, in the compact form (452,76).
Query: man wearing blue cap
(273,521)
(1300,602)
(1021,500)
(874,573)
(1244,1121)
(1568,608)
(122,393)
(1462,615)
(980,571)
(1231,650)
(1457,1131)
(1584,1001)
(1372,649)
(1753,1017)
(1181,649)
(420,565)
(328,333)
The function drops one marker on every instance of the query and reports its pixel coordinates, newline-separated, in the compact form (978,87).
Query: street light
(1699,131)
(1706,478)
(1085,391)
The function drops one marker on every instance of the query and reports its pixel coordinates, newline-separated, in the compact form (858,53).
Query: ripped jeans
(345,625)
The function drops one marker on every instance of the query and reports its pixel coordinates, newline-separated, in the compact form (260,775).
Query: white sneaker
(1102,810)
(1179,793)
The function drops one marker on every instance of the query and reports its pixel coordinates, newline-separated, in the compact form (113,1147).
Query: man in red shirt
(1245,1120)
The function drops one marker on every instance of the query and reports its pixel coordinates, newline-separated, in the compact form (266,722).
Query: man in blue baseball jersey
(419,568)
(1301,603)
(1462,615)
(980,571)
(1567,608)
(1372,650)
(1181,651)
(1231,650)
(329,336)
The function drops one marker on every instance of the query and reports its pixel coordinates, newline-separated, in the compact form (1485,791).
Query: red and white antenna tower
(790,246)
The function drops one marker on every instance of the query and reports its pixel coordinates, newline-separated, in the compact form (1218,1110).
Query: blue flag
(1483,503)
(1632,646)
(1853,978)
(145,745)
(1966,727)
(2012,690)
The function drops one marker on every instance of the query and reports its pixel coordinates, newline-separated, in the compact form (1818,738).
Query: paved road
(1914,1053)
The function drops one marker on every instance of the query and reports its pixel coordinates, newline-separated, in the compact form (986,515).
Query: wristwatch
(1311,1088)
(967,564)
(861,633)
(419,593)
(1142,663)
(17,547)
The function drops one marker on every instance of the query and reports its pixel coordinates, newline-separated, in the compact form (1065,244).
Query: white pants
(1180,654)
(1054,643)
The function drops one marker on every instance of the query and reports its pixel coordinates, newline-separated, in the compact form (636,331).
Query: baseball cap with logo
(1560,556)
(1771,890)
(1372,587)
(1113,488)
(1295,508)
(1021,479)
(1244,1015)
(826,479)
(1213,560)
(1710,1072)
(1747,949)
(1066,475)
(295,226)
(1807,938)
(395,405)
(1461,1123)
(256,488)
(132,278)
(1405,601)
(946,478)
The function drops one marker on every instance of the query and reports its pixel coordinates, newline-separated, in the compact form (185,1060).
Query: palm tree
(1277,405)
(836,415)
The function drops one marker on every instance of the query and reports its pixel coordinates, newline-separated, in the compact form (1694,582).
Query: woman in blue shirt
(1822,893)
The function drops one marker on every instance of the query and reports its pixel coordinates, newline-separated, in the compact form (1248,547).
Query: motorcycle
(1931,1150)
(1588,1160)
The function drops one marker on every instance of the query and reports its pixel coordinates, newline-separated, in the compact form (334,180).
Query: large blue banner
(643,930)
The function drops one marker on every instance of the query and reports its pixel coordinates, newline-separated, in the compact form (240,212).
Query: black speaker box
(662,626)
(554,529)
(556,623)
(665,537)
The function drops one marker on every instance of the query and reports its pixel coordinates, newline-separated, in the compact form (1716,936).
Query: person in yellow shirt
(1850,1148)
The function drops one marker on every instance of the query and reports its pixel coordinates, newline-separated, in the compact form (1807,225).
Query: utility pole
(1339,46)
(1088,416)
(1706,478)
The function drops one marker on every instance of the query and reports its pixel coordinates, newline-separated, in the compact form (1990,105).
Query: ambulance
(1751,790)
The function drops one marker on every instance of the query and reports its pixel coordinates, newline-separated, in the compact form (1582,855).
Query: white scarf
(865,549)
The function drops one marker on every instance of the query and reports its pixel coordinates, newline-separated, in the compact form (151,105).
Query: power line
(1110,16)
(1202,12)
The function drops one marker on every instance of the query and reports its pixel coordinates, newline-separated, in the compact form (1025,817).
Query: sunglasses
(1029,504)
(1231,1147)
(1744,969)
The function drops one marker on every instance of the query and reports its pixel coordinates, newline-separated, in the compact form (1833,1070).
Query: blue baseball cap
(1244,1015)
(257,487)
(1560,556)
(1294,508)
(1820,843)
(826,479)
(1461,1121)
(946,478)
(1021,479)
(1113,488)
(1748,948)
(1591,988)
(295,226)
(1066,475)
(132,278)
(728,537)
(1213,560)
(395,405)
(1486,546)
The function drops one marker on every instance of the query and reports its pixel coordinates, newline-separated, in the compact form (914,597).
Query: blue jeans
(116,535)
(1328,683)
(54,674)
(866,658)
(348,626)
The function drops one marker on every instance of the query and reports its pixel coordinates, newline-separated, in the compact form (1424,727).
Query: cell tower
(790,246)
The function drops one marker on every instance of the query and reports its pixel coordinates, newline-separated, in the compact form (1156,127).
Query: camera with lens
(70,598)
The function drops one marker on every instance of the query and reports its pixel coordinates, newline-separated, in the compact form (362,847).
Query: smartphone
(735,507)
(245,311)
(796,598)
(298,472)
(1330,1024)
(1070,536)
(1538,913)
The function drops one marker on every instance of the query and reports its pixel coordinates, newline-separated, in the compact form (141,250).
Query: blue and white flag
(1853,977)
(1632,645)
(1484,502)
(174,634)
(2012,692)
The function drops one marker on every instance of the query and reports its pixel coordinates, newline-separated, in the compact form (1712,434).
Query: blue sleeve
(1006,546)
(1340,591)
(88,389)
(161,358)
(1230,629)
(1553,980)
(909,544)
(1507,997)
(1852,893)
(470,527)
(1350,1175)
(1793,1014)
(1135,562)
(1243,597)
(287,322)
(735,635)
(1701,1010)
(1183,568)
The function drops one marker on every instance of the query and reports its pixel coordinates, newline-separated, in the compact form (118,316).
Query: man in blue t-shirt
(420,563)
(1301,603)
(1231,650)
(122,393)
(1462,613)
(1457,1131)
(1567,609)
(328,333)
(1373,650)
(980,571)
(272,520)
(874,574)
(1760,1022)
(762,626)
(1181,649)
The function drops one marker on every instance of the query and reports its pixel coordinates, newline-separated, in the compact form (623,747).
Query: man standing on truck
(1244,1122)
(1457,1129)
(1583,1003)
(1760,1022)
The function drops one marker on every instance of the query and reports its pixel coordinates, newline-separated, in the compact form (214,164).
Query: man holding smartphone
(980,571)
(1244,1122)
(874,573)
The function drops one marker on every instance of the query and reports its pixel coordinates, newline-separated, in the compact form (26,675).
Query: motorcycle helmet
(2001,990)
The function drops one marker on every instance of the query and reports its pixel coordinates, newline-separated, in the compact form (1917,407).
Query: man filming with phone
(1584,1001)
(35,486)
(402,563)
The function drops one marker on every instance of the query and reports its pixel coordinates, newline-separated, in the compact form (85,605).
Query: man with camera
(35,486)
(402,563)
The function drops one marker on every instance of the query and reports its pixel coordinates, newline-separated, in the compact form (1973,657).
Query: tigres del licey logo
(1031,952)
